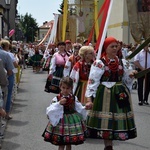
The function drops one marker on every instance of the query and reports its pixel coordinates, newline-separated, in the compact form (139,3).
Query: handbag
(50,88)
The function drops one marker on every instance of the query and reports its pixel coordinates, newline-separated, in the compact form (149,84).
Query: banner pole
(105,30)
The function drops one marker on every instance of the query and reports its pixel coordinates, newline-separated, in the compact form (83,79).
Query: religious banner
(139,18)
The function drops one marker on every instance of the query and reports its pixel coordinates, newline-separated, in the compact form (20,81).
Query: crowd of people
(93,95)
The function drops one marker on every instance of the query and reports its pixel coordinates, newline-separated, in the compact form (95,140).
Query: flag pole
(65,10)
(105,30)
(95,18)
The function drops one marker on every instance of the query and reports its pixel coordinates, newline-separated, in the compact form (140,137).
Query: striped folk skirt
(80,91)
(108,119)
(71,130)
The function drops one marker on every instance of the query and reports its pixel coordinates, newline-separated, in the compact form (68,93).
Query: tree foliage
(71,10)
(61,7)
(29,27)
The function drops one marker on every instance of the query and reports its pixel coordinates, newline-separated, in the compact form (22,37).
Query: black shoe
(146,103)
(108,148)
(1,136)
(140,103)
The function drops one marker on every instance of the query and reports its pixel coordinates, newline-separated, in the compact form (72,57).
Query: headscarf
(107,42)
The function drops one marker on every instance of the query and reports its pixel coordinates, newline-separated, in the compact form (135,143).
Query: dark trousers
(143,88)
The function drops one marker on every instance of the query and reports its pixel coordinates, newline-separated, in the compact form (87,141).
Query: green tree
(61,7)
(71,10)
(29,27)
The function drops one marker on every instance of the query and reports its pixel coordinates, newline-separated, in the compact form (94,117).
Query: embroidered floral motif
(55,138)
(81,137)
(91,81)
(122,136)
(122,96)
(47,135)
(109,135)
(67,139)
(106,135)
(98,64)
(74,138)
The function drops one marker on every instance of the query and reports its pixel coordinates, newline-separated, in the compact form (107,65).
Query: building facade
(43,30)
(7,17)
(119,22)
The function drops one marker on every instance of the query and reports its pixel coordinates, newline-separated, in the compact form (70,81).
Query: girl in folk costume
(80,72)
(56,69)
(111,116)
(67,116)
(72,59)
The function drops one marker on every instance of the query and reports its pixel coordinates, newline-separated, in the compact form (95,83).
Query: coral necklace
(112,64)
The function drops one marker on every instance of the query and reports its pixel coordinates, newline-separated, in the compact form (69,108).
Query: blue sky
(41,10)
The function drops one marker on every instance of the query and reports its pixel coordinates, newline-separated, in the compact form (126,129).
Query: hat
(67,41)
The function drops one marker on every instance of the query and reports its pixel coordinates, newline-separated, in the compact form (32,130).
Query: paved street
(24,131)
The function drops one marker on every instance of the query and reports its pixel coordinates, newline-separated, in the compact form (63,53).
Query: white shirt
(140,57)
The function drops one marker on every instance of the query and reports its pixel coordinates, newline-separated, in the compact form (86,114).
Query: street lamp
(8,2)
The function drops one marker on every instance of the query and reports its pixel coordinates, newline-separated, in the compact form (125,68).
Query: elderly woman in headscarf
(81,70)
(111,116)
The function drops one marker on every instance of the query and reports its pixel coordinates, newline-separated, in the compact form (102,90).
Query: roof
(47,24)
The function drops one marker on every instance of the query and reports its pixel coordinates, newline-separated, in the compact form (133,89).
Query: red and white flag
(104,12)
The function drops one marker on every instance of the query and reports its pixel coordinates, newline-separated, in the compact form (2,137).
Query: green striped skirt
(80,91)
(71,129)
(107,119)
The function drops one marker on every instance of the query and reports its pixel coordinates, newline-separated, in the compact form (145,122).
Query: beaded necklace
(112,63)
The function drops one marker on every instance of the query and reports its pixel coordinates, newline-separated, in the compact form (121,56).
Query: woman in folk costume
(72,59)
(111,116)
(36,60)
(48,54)
(56,69)
(66,116)
(81,70)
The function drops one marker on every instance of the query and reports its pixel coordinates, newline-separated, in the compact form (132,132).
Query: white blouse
(55,111)
(96,73)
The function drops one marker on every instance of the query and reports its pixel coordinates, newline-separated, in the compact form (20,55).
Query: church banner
(139,18)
